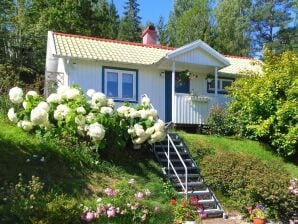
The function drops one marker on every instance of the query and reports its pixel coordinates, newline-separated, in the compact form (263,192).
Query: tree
(191,20)
(285,39)
(232,27)
(267,17)
(265,107)
(130,25)
(161,29)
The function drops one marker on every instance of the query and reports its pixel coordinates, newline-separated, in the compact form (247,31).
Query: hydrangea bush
(90,118)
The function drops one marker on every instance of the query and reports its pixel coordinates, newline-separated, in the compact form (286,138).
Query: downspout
(173,93)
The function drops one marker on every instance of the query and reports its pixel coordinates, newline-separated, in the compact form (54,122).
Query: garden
(75,158)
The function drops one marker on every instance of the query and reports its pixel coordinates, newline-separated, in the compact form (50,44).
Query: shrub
(70,115)
(264,107)
(28,202)
(219,122)
(247,181)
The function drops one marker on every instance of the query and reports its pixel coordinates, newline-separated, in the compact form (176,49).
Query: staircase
(179,167)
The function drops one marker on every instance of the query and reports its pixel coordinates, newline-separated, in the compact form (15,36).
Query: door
(180,87)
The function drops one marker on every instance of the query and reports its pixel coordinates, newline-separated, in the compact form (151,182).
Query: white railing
(168,155)
(170,164)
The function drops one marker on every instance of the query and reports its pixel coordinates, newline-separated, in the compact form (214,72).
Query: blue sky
(150,10)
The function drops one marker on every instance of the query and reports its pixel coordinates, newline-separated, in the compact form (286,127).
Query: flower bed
(90,119)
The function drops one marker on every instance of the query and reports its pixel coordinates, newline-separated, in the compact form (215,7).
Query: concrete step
(189,184)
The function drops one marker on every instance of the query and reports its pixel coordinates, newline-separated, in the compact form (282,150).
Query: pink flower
(157,209)
(110,192)
(203,215)
(88,216)
(139,195)
(111,212)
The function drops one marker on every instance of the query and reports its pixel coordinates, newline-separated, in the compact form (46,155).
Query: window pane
(212,84)
(112,84)
(226,83)
(127,85)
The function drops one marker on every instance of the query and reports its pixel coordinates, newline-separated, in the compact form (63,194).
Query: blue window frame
(120,84)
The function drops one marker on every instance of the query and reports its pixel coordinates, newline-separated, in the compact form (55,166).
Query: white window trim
(220,89)
(120,73)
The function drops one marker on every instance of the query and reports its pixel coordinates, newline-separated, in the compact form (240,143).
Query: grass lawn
(197,142)
(75,172)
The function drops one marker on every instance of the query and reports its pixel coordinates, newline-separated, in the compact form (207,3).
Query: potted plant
(258,214)
(185,213)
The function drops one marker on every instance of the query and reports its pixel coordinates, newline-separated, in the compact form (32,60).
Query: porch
(189,102)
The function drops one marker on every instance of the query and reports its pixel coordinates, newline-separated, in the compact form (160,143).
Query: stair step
(213,212)
(192,193)
(176,160)
(173,153)
(189,184)
(190,175)
(207,201)
(182,168)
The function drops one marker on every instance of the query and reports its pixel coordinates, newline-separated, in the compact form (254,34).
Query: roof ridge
(241,57)
(116,41)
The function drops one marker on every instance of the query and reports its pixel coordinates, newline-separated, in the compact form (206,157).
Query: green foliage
(232,27)
(264,107)
(190,21)
(130,25)
(185,211)
(27,202)
(219,122)
(246,180)
(266,17)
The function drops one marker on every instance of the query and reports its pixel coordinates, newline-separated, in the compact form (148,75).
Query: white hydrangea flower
(149,131)
(24,104)
(81,131)
(98,100)
(61,112)
(124,110)
(81,110)
(153,113)
(111,103)
(159,125)
(139,129)
(31,94)
(143,114)
(44,106)
(26,125)
(16,95)
(96,131)
(53,98)
(90,117)
(131,131)
(106,110)
(90,92)
(39,116)
(72,93)
(140,140)
(12,116)
(146,101)
(135,114)
(62,92)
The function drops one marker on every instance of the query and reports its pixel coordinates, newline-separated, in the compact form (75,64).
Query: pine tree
(232,27)
(161,29)
(267,17)
(130,25)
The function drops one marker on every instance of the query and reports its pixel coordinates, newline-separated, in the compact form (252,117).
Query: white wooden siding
(198,57)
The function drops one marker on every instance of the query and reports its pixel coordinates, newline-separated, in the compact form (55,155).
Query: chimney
(149,35)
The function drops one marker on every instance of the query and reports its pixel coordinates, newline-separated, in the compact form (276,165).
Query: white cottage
(126,70)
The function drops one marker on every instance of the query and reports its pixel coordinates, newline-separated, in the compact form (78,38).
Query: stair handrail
(185,188)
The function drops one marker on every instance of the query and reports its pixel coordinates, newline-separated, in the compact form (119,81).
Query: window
(221,85)
(120,84)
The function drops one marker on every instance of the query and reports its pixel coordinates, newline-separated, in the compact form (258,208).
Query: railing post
(168,155)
